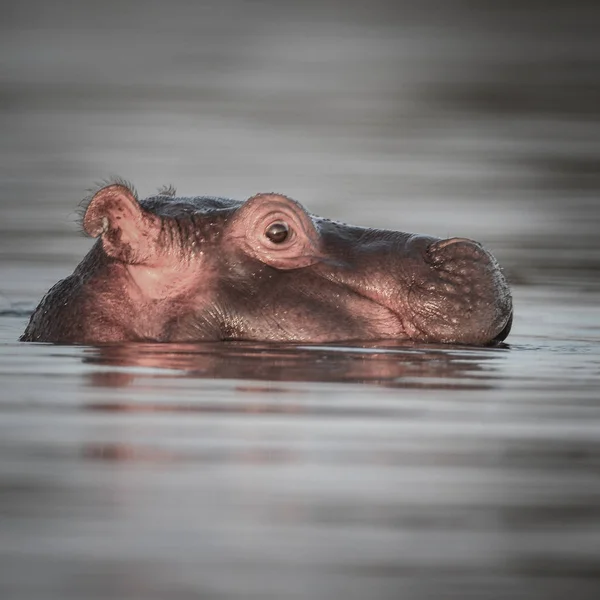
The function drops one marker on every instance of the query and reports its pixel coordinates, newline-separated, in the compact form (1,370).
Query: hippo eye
(278,232)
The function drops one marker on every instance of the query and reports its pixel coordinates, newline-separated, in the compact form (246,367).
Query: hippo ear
(127,230)
(277,231)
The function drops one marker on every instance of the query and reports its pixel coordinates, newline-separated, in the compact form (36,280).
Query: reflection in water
(391,364)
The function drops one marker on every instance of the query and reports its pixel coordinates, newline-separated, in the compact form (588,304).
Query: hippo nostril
(455,251)
(456,240)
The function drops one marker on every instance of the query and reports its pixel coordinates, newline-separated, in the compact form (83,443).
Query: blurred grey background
(445,117)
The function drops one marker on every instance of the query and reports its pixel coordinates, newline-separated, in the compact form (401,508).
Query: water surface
(247,470)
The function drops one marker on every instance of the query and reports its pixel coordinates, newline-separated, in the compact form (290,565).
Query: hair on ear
(93,190)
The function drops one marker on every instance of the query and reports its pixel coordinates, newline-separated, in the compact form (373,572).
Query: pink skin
(192,269)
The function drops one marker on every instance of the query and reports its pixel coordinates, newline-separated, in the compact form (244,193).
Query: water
(244,470)
(264,471)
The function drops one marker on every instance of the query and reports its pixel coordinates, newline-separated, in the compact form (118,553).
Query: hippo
(204,268)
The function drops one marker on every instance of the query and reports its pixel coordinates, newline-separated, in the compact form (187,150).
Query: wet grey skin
(170,269)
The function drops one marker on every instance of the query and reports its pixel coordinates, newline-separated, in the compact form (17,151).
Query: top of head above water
(186,269)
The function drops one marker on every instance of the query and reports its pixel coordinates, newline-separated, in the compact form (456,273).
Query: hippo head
(204,268)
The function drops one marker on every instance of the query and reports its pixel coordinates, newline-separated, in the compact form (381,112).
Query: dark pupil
(277,232)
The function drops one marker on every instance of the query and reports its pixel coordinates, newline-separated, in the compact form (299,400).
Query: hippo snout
(463,296)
